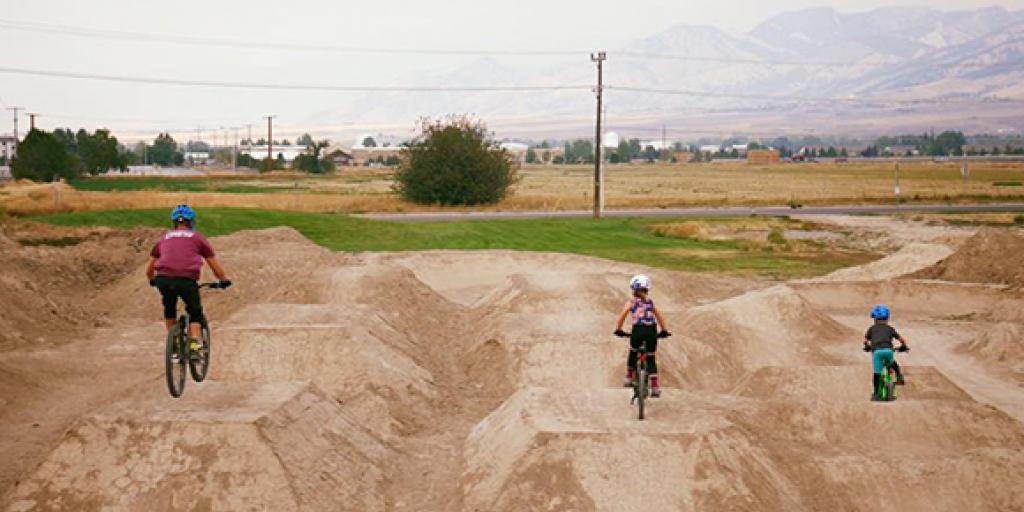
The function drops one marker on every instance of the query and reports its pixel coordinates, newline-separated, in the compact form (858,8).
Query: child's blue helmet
(183,212)
(880,312)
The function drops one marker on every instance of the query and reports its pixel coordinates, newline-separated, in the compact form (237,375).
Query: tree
(42,157)
(650,154)
(279,162)
(99,153)
(531,156)
(164,151)
(623,153)
(634,148)
(454,161)
(305,140)
(582,150)
(754,145)
(311,161)
(369,142)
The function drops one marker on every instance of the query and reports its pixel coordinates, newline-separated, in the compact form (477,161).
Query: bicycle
(641,379)
(887,387)
(179,358)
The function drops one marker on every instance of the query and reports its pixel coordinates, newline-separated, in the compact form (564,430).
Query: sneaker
(875,398)
(175,359)
(900,382)
(655,392)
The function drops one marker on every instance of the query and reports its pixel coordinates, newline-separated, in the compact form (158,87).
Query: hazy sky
(456,24)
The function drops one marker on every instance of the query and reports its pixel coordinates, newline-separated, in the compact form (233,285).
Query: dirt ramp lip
(812,385)
(543,448)
(282,446)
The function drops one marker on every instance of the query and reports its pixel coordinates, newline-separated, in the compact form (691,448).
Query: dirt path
(489,381)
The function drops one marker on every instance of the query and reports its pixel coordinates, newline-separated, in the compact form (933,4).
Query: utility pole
(31,121)
(663,148)
(270,142)
(599,58)
(234,150)
(15,110)
(250,134)
(897,190)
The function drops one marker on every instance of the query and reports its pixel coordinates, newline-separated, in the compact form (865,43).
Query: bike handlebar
(903,348)
(622,334)
(217,285)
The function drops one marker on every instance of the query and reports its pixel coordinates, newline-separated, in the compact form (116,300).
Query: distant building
(519,152)
(682,157)
(198,157)
(365,156)
(739,148)
(340,157)
(7,145)
(260,152)
(901,150)
(710,148)
(763,157)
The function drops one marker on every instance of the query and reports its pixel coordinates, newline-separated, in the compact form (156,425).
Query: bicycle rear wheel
(199,364)
(890,385)
(175,356)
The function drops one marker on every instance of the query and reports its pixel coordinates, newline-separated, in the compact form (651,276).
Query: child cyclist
(878,340)
(644,334)
(174,269)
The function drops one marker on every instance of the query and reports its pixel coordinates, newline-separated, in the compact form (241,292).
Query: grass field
(651,242)
(354,190)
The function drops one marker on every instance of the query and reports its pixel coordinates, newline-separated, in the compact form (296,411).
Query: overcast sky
(455,24)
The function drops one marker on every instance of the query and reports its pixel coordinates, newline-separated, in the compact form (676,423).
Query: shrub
(454,161)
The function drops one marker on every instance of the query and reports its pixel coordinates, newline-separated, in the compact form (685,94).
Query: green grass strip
(622,239)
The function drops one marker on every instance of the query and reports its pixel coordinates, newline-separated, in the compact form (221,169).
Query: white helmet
(640,281)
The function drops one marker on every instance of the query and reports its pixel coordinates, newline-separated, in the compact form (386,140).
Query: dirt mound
(269,265)
(1001,345)
(51,275)
(908,259)
(725,340)
(841,384)
(990,256)
(544,450)
(280,446)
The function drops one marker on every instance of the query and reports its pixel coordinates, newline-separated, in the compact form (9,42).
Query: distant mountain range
(894,56)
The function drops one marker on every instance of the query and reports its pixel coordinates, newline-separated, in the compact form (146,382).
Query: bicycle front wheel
(175,357)
(641,392)
(199,362)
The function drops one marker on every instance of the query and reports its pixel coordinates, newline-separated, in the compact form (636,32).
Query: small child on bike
(878,340)
(174,266)
(644,334)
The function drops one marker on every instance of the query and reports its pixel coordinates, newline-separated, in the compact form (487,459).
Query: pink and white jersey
(643,311)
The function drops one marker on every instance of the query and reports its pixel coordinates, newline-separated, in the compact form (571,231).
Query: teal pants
(881,358)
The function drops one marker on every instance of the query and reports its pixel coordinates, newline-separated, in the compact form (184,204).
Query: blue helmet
(183,212)
(881,312)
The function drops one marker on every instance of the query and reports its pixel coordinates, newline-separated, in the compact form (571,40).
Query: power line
(728,60)
(259,45)
(800,98)
(288,87)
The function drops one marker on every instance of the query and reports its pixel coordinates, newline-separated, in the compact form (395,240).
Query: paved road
(705,212)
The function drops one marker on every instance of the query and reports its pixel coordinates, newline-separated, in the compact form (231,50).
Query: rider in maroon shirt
(174,266)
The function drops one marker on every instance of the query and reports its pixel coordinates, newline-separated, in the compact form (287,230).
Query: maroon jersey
(180,253)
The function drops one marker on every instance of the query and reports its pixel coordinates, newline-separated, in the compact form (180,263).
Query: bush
(454,162)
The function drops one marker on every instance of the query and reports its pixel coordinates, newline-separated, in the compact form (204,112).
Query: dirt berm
(990,256)
(488,381)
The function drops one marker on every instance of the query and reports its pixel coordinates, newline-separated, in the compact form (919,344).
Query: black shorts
(173,288)
(644,335)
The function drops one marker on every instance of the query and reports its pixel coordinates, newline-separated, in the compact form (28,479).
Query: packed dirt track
(486,381)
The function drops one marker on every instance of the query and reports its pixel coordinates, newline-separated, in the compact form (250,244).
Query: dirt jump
(487,381)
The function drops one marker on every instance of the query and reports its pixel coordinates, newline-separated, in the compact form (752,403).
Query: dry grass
(571,187)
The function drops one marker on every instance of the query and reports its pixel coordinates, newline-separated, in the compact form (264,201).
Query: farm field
(355,190)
